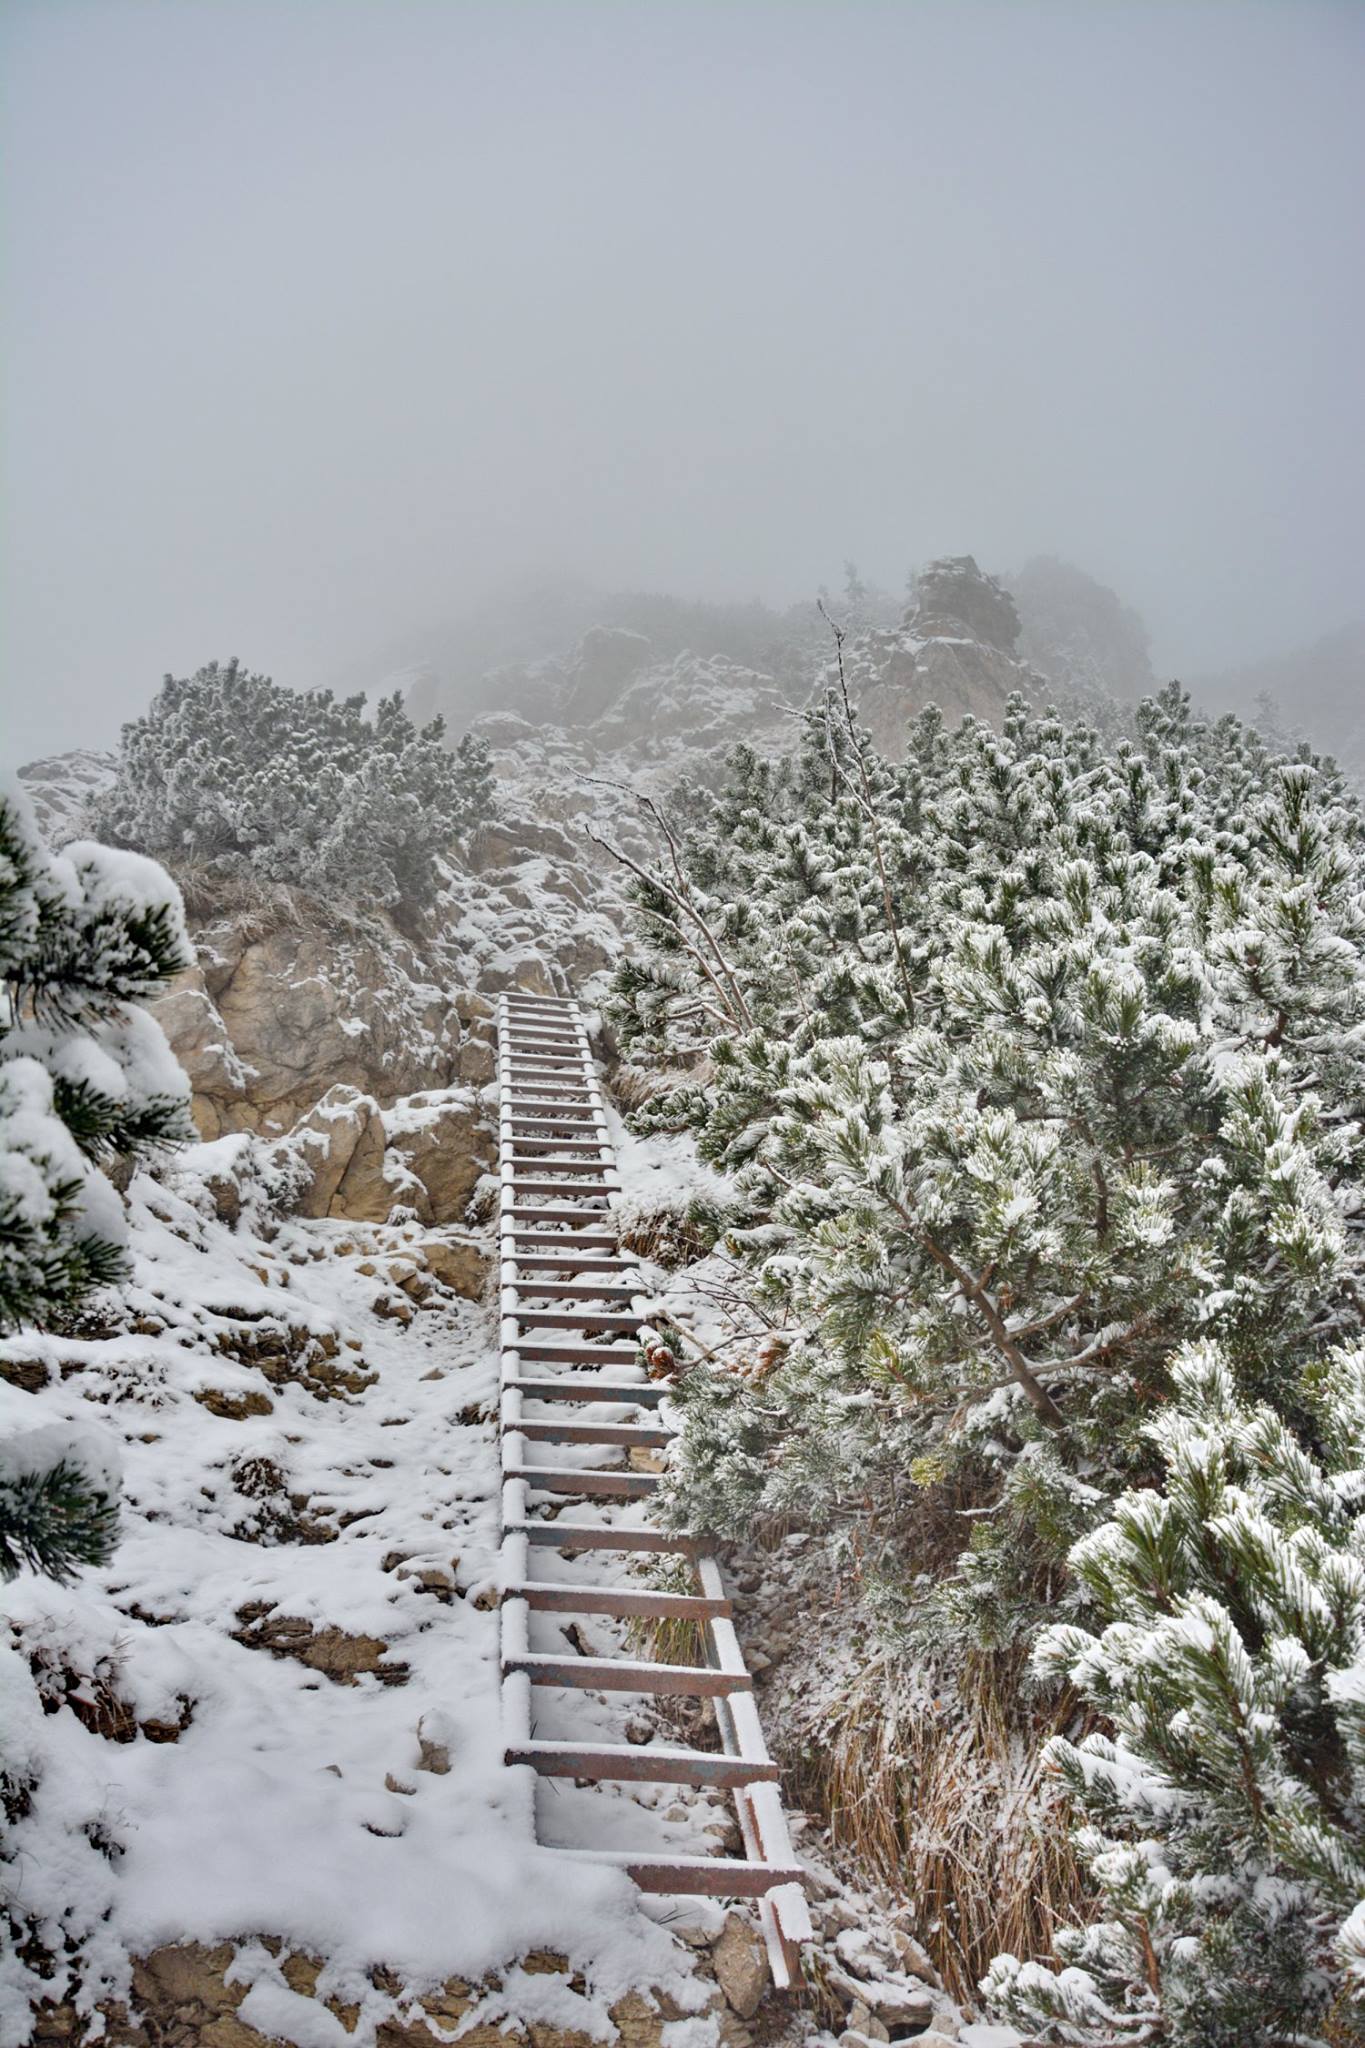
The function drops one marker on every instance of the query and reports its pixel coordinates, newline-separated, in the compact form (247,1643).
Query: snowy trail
(302,1612)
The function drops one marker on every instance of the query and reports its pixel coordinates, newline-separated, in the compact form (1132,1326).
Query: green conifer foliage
(231,770)
(1034,1055)
(1222,1818)
(86,1080)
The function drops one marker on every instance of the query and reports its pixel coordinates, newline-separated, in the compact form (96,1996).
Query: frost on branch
(1221,1819)
(86,1081)
(1033,1056)
(232,772)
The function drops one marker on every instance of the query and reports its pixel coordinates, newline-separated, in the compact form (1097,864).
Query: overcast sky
(324,315)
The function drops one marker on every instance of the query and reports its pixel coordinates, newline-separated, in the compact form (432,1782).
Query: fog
(325,320)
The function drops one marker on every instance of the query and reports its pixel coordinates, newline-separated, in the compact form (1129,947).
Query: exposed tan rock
(338,1656)
(270,1020)
(638,2022)
(442,1143)
(955,648)
(460,1263)
(322,1148)
(741,1965)
(232,1405)
(349,1158)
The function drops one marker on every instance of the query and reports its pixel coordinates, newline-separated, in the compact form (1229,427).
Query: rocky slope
(258,1754)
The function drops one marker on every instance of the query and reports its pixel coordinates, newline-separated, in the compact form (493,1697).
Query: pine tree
(1033,1056)
(86,1080)
(1223,1819)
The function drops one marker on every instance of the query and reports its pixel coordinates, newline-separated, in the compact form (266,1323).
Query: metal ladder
(572,1316)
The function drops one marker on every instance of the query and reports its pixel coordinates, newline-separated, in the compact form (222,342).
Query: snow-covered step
(573,1319)
(575,1290)
(554,1598)
(583,1251)
(618,1674)
(551,1151)
(576,1354)
(719,1877)
(561,1176)
(646,1763)
(592,1482)
(557,1535)
(578,1387)
(637,1436)
(532,1218)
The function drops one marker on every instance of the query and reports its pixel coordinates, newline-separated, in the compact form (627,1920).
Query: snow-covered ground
(277,1710)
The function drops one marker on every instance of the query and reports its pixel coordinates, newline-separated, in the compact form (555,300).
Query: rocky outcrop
(61,789)
(955,648)
(423,1154)
(270,1019)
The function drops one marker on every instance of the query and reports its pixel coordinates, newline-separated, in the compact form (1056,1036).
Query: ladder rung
(578,1387)
(592,1536)
(565,1170)
(584,1212)
(576,1354)
(574,1290)
(555,1147)
(614,1674)
(535,1241)
(574,1319)
(619,1600)
(592,1482)
(645,1764)
(638,1434)
(560,1128)
(718,1877)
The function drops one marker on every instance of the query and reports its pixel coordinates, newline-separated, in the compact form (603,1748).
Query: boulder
(441,1142)
(425,1153)
(271,1020)
(341,1132)
(741,1966)
(461,1264)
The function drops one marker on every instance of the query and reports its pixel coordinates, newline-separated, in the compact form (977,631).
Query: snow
(91,1452)
(274,1811)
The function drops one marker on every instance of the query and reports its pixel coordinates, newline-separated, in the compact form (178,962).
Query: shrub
(232,772)
(86,1079)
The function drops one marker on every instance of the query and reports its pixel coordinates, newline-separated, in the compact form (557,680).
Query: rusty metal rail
(572,1315)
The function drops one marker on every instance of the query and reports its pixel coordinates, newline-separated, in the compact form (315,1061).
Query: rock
(231,1405)
(442,1142)
(741,1966)
(283,1006)
(461,1264)
(349,1158)
(337,1655)
(187,1974)
(863,2025)
(955,648)
(638,2023)
(953,596)
(477,1063)
(894,2003)
(434,1732)
(199,1038)
(341,1130)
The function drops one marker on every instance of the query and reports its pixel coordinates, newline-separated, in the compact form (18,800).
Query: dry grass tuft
(667,1237)
(943,1799)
